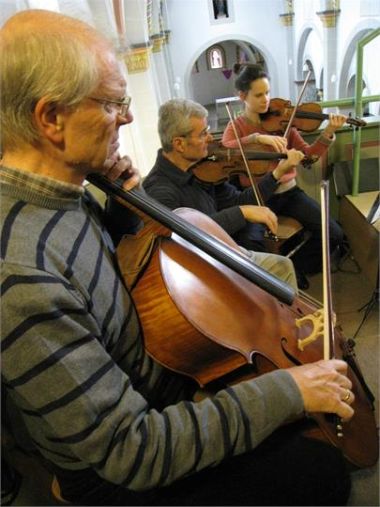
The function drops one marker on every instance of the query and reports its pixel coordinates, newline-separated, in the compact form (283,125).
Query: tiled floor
(351,291)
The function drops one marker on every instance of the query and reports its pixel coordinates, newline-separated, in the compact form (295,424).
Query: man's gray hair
(174,120)
(59,66)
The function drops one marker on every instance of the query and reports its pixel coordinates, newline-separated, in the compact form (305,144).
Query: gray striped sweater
(73,362)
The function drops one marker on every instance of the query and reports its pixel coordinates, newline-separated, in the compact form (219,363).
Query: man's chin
(88,168)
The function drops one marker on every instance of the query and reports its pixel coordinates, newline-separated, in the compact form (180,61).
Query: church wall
(355,19)
(193,31)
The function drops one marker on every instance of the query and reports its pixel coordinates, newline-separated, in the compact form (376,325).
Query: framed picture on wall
(220,8)
(221,11)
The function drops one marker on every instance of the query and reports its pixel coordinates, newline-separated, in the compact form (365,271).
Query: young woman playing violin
(288,199)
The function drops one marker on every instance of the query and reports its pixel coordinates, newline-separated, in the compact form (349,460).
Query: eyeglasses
(120,106)
(205,132)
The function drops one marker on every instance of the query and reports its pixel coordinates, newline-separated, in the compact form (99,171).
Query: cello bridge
(317,322)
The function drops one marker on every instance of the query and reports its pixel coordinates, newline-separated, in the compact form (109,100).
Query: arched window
(216,57)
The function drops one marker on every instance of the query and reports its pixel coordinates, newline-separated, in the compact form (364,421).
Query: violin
(308,116)
(223,163)
(183,287)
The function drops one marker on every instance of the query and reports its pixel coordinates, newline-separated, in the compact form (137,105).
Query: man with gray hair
(116,427)
(185,136)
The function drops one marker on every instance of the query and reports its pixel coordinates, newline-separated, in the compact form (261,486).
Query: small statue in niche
(220,9)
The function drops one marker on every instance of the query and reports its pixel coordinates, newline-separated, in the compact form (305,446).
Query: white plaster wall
(254,21)
(355,17)
(371,69)
(193,30)
(314,52)
(208,85)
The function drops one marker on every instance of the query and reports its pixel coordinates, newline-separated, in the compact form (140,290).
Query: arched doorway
(212,78)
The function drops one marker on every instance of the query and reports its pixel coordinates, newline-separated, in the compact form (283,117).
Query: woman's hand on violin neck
(286,165)
(260,215)
(276,142)
(335,122)
(325,387)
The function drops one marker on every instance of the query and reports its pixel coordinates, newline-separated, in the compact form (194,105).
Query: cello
(213,342)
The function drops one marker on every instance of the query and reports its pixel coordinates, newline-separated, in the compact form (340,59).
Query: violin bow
(255,189)
(297,104)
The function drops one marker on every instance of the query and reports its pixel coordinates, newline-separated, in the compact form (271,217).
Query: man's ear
(178,144)
(49,120)
(242,95)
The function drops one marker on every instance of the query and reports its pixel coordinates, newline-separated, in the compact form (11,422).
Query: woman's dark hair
(247,72)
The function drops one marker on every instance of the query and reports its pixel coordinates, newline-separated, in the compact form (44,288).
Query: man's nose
(124,120)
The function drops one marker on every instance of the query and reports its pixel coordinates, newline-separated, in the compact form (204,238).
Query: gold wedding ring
(347,397)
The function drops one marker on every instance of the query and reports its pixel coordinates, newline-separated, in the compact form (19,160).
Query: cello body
(205,321)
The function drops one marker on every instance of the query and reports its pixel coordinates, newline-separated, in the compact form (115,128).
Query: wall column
(287,22)
(139,139)
(141,86)
(163,85)
(330,50)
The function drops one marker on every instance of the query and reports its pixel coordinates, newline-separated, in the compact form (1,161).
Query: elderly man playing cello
(116,427)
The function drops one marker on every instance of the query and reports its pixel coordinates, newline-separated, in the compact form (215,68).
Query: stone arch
(302,56)
(310,93)
(359,32)
(351,92)
(306,57)
(268,58)
(300,51)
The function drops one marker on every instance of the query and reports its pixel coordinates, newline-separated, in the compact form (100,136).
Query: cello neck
(207,243)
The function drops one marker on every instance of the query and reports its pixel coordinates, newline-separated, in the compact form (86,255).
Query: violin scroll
(356,122)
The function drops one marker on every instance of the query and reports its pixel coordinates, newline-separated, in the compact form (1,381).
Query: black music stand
(369,181)
(375,298)
(369,306)
(343,171)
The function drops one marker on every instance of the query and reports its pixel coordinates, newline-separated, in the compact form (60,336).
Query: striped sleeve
(82,409)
